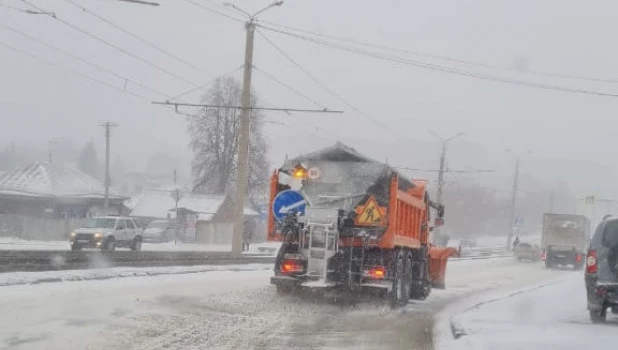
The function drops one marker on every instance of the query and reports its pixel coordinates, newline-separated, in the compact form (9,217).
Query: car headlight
(98,235)
(72,234)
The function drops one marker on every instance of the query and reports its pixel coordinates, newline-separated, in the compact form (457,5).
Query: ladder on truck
(322,245)
(355,264)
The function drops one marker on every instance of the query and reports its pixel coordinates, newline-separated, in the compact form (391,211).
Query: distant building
(211,214)
(52,195)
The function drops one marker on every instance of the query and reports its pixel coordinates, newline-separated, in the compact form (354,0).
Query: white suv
(108,233)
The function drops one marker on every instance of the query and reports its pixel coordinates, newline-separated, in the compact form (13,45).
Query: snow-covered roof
(157,204)
(42,179)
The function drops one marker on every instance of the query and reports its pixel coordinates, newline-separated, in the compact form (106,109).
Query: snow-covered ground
(551,315)
(10,243)
(231,310)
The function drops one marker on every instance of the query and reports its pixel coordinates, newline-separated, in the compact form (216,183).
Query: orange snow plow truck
(346,221)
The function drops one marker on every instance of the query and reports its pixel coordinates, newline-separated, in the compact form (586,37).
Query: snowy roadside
(447,328)
(13,243)
(25,278)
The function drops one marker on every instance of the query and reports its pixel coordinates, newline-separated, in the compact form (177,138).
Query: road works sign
(287,201)
(370,214)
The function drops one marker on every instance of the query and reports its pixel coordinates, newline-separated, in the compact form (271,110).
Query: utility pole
(514,198)
(108,126)
(442,170)
(242,166)
(437,236)
(49,149)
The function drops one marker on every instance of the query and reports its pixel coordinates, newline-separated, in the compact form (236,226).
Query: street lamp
(514,195)
(251,17)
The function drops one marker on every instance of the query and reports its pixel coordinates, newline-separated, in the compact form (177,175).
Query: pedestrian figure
(516,242)
(247,234)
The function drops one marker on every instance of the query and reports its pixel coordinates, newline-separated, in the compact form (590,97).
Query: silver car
(159,231)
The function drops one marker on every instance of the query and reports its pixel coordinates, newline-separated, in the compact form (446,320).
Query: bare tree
(214,134)
(88,161)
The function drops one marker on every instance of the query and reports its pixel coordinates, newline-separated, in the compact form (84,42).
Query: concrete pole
(242,168)
(513,203)
(108,131)
(441,174)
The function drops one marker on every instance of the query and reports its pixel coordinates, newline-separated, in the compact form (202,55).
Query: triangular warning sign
(370,214)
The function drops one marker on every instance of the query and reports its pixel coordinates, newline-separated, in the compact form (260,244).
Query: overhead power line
(434,67)
(273,78)
(441,57)
(115,47)
(69,70)
(137,37)
(217,12)
(329,90)
(446,170)
(177,104)
(203,86)
(80,59)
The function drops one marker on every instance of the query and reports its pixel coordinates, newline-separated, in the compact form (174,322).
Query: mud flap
(438,258)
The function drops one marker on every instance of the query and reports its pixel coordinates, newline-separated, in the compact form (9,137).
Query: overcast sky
(572,135)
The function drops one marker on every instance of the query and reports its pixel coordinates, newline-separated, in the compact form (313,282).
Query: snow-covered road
(550,315)
(230,310)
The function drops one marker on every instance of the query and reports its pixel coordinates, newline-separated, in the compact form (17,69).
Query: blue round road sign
(287,201)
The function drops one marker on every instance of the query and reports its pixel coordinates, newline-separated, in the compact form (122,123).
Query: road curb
(91,275)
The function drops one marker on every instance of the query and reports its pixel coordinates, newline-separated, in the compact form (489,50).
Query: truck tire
(598,316)
(400,293)
(421,287)
(548,261)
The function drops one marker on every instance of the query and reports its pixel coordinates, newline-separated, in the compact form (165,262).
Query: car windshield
(100,223)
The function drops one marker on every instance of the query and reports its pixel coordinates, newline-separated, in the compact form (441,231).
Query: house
(204,218)
(55,196)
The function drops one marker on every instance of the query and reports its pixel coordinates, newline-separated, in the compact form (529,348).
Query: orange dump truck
(346,221)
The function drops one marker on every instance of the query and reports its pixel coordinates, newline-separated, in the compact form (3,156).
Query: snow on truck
(346,221)
(564,239)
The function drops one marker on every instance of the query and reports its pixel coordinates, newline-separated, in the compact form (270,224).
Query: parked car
(108,233)
(159,231)
(527,251)
(601,274)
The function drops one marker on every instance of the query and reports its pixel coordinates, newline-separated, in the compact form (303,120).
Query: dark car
(602,271)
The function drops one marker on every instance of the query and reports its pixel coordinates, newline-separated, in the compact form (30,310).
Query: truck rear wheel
(402,280)
(548,261)
(598,316)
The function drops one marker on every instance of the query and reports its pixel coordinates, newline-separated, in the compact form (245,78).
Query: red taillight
(377,273)
(543,255)
(291,265)
(578,258)
(591,262)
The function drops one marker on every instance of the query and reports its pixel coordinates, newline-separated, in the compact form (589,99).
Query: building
(45,200)
(203,218)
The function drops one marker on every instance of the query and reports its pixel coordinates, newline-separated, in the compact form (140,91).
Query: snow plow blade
(438,257)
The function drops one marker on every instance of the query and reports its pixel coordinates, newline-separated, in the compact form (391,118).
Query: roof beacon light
(299,172)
